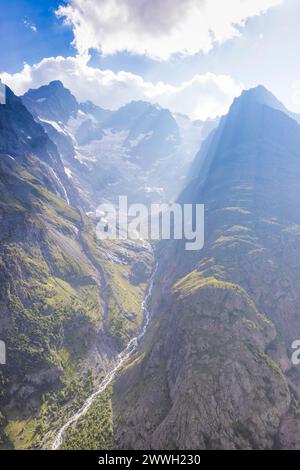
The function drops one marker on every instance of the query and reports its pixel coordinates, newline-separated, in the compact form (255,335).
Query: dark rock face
(26,142)
(52,106)
(210,374)
(21,136)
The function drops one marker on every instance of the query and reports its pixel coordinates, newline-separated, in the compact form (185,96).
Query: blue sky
(21,44)
(264,47)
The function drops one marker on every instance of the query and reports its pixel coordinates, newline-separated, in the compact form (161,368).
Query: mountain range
(139,150)
(214,369)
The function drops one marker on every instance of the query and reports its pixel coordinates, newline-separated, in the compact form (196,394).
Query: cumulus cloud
(201,97)
(157,28)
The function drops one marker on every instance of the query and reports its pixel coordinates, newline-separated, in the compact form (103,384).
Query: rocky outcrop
(206,382)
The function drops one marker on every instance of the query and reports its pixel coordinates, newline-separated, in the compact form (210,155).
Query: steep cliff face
(67,305)
(214,372)
(52,106)
(205,381)
(25,141)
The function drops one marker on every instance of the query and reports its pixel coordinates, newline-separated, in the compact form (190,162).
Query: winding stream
(121,359)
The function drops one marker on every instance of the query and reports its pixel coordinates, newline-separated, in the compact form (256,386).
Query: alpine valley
(128,344)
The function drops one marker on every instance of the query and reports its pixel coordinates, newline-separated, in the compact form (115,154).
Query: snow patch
(53,124)
(143,136)
(68,173)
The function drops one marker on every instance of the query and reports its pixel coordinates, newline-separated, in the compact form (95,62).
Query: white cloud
(157,28)
(30,25)
(203,96)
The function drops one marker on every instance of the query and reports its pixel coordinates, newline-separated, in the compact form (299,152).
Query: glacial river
(121,360)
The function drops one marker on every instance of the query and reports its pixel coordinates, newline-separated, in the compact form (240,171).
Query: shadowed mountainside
(215,369)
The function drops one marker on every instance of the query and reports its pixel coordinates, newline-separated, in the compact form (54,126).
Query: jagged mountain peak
(51,102)
(139,107)
(260,95)
(25,142)
(255,119)
(21,136)
(260,92)
(97,112)
(56,84)
(138,104)
(133,112)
